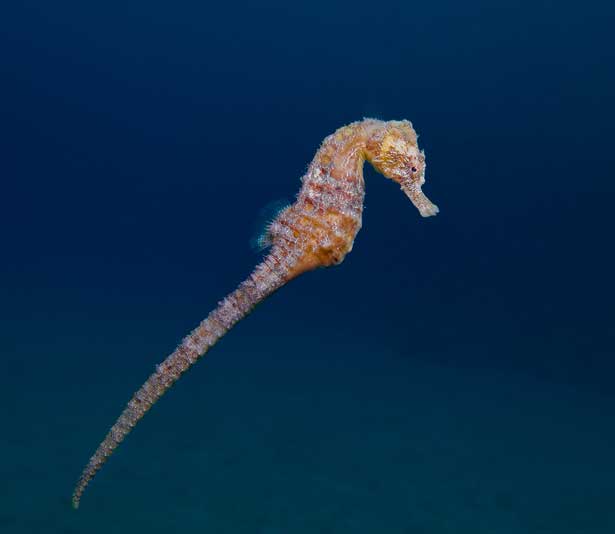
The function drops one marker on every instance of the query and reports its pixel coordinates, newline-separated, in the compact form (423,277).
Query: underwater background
(453,375)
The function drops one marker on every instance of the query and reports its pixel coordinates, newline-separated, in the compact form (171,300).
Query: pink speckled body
(317,230)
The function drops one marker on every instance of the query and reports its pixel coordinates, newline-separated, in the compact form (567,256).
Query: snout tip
(429,211)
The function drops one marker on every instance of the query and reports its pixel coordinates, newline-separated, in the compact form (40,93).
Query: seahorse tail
(265,279)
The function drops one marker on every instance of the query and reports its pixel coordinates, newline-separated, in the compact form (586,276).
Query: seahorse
(317,230)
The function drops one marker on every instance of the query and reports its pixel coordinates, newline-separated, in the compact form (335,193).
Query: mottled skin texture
(317,230)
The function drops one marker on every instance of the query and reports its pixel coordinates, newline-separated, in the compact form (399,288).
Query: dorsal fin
(261,238)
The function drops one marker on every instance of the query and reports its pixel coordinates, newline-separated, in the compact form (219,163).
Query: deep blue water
(453,375)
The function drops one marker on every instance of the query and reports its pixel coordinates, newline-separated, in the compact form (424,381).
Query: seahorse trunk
(264,280)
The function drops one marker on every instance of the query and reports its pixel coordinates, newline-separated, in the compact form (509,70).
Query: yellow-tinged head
(393,151)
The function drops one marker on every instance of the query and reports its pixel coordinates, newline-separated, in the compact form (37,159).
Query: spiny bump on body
(317,230)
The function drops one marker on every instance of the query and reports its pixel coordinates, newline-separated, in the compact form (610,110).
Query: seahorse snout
(414,192)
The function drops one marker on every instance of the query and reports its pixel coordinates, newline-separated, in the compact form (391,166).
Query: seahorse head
(393,151)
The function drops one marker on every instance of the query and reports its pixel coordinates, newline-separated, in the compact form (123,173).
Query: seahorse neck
(342,154)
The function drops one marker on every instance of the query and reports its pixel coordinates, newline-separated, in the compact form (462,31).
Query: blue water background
(453,375)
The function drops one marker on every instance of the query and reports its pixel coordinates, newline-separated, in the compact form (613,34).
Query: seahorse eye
(413,169)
